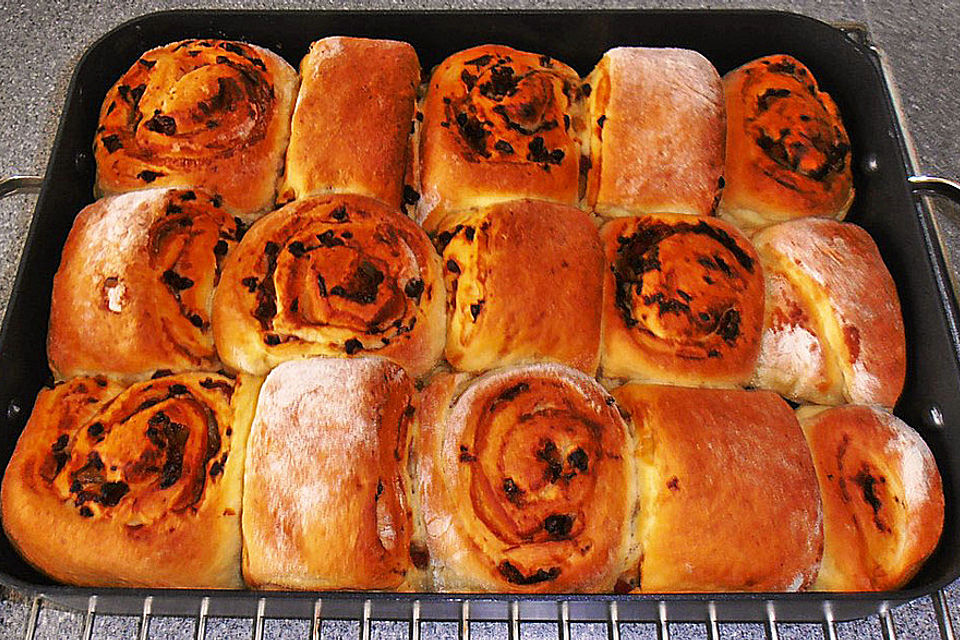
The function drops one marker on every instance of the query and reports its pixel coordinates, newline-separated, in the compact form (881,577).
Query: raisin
(111,143)
(164,125)
(149,176)
(558,525)
(410,195)
(414,288)
(578,459)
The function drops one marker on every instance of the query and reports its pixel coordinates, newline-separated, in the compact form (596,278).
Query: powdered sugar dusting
(315,434)
(916,461)
(862,386)
(790,355)
(796,583)
(324,392)
(125,217)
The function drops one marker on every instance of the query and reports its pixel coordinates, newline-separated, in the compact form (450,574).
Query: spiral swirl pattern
(208,113)
(788,154)
(526,482)
(145,481)
(499,124)
(683,301)
(336,275)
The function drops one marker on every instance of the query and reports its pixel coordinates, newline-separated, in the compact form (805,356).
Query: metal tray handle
(13,185)
(941,186)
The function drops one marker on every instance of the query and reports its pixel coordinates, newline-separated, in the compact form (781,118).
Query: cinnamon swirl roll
(882,497)
(199,113)
(682,301)
(134,288)
(657,130)
(832,308)
(524,283)
(788,155)
(326,502)
(527,482)
(352,120)
(135,487)
(333,275)
(728,492)
(499,124)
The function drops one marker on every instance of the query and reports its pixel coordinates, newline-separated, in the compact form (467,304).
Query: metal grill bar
(663,627)
(613,632)
(415,621)
(145,617)
(365,623)
(713,628)
(88,618)
(942,607)
(771,624)
(258,621)
(514,620)
(465,620)
(829,624)
(201,631)
(886,624)
(564,620)
(31,627)
(316,620)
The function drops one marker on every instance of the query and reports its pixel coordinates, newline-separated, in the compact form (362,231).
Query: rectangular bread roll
(656,120)
(524,284)
(352,119)
(325,503)
(499,124)
(839,312)
(728,494)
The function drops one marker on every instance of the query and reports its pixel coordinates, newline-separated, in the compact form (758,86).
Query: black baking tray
(848,69)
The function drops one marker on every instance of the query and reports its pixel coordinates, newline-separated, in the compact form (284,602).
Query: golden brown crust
(325,502)
(682,301)
(524,283)
(331,275)
(882,497)
(526,482)
(136,489)
(499,124)
(134,290)
(719,511)
(212,114)
(656,120)
(352,120)
(788,155)
(840,282)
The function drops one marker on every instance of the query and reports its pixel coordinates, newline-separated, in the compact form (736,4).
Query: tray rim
(950,306)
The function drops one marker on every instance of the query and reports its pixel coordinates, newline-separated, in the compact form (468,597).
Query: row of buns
(338,474)
(647,131)
(161,279)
